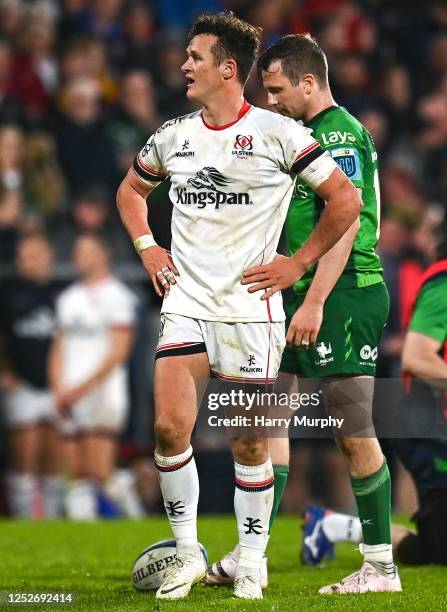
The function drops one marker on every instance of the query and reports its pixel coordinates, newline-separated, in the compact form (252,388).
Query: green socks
(373,496)
(281,473)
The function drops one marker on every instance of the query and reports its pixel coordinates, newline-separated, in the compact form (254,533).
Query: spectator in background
(85,151)
(37,54)
(139,32)
(11,12)
(352,83)
(87,372)
(27,83)
(101,20)
(11,110)
(96,68)
(28,325)
(91,211)
(44,185)
(135,117)
(72,62)
(432,142)
(396,91)
(87,58)
(376,123)
(29,166)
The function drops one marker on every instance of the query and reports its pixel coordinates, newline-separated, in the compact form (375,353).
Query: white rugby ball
(149,568)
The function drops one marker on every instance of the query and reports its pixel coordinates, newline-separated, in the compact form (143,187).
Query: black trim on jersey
(302,163)
(437,276)
(145,175)
(182,350)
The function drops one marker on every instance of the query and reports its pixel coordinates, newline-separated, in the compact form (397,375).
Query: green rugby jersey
(430,313)
(352,147)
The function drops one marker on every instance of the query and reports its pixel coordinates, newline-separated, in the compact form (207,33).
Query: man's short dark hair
(237,40)
(299,54)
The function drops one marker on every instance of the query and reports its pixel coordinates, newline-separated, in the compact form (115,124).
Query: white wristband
(144,242)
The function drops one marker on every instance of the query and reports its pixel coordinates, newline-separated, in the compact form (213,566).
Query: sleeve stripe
(303,161)
(307,150)
(145,174)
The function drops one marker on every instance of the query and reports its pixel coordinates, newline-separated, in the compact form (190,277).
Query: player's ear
(308,81)
(229,69)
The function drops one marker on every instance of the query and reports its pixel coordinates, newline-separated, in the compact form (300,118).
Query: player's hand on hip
(281,273)
(304,326)
(160,267)
(67,398)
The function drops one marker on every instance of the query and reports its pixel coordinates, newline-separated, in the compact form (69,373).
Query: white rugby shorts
(102,410)
(26,405)
(237,352)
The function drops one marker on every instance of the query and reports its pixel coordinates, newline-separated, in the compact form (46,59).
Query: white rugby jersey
(85,315)
(231,187)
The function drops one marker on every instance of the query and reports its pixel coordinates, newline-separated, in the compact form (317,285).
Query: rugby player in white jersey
(95,318)
(232,169)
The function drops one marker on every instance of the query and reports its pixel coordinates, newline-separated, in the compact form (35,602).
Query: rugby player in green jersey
(340,305)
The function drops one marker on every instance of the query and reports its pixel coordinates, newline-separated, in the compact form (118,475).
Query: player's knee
(168,434)
(250,451)
(363,455)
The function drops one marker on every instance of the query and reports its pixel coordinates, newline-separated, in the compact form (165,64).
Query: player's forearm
(428,367)
(343,206)
(330,267)
(116,357)
(132,209)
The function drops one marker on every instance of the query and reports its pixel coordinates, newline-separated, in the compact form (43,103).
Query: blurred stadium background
(83,83)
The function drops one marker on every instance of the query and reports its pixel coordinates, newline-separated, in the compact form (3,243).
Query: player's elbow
(120,194)
(414,362)
(354,197)
(409,362)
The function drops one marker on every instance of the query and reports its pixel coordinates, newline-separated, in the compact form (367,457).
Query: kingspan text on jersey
(203,198)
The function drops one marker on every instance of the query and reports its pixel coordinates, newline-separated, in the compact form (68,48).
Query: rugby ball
(149,568)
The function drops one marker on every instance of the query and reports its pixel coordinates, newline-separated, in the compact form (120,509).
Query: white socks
(179,483)
(21,494)
(52,496)
(342,528)
(121,488)
(381,556)
(253,501)
(80,501)
(345,528)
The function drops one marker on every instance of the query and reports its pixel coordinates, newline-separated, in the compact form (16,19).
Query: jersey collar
(242,112)
(317,118)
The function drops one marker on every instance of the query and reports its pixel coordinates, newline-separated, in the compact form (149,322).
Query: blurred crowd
(84,83)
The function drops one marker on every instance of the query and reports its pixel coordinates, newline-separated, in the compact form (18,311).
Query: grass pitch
(93,560)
